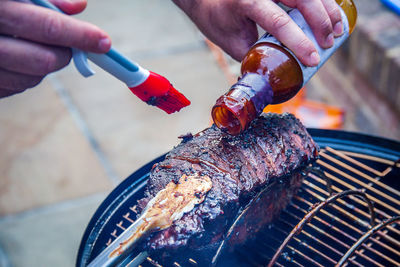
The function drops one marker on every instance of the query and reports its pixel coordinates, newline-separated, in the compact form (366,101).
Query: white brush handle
(123,69)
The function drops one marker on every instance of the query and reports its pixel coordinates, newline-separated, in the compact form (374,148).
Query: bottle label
(324,54)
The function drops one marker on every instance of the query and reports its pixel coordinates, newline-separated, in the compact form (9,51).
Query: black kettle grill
(346,212)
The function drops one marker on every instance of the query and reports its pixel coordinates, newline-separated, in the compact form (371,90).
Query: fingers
(70,7)
(14,83)
(49,27)
(316,16)
(334,14)
(277,22)
(323,16)
(31,58)
(23,64)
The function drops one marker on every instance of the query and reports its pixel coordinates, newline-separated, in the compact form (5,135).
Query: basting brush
(150,87)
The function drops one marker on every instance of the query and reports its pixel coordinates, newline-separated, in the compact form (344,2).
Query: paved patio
(67,143)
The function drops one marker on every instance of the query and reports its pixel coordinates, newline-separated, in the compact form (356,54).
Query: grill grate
(355,226)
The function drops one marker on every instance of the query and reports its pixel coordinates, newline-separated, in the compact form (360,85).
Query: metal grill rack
(324,234)
(345,214)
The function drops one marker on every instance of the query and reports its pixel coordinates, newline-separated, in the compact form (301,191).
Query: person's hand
(231,24)
(34,41)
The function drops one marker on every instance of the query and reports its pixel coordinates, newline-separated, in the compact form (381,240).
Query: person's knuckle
(48,62)
(279,21)
(246,4)
(333,11)
(91,42)
(326,25)
(334,14)
(305,46)
(52,28)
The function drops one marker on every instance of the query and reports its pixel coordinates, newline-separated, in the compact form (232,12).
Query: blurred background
(68,142)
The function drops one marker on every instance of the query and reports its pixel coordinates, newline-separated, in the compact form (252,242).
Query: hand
(232,24)
(34,41)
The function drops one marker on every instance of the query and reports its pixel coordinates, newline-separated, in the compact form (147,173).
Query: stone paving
(67,143)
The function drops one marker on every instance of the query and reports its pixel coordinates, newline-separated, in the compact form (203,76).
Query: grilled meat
(271,151)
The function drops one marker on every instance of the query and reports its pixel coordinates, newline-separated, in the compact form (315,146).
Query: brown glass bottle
(270,75)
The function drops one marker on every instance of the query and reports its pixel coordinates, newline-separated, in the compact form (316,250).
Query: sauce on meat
(168,205)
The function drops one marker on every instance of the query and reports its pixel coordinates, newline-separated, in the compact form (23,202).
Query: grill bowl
(348,159)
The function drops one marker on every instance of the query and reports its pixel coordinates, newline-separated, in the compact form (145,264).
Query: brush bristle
(170,102)
(158,91)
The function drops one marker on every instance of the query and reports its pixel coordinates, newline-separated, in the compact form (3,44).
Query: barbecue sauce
(271,74)
(167,206)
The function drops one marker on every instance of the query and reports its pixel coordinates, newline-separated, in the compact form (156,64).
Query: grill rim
(338,139)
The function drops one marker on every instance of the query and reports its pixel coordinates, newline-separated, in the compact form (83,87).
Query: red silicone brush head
(158,91)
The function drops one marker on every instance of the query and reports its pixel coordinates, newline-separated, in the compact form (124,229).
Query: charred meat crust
(240,166)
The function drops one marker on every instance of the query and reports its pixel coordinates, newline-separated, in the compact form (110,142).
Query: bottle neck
(258,89)
(246,99)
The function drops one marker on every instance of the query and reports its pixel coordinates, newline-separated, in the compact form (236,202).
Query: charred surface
(273,147)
